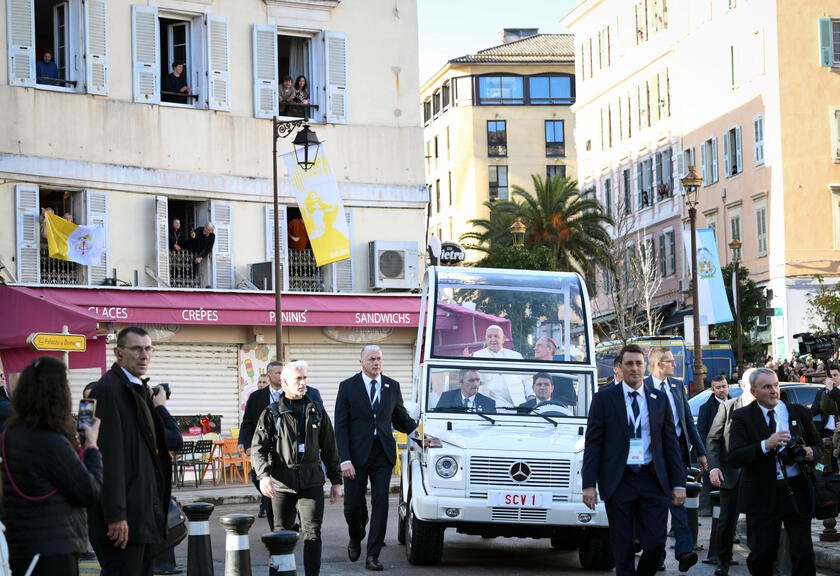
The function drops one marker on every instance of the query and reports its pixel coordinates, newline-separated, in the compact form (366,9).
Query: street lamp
(691,184)
(735,246)
(304,139)
(517,229)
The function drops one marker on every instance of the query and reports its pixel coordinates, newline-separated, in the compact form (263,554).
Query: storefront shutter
(28,234)
(96,46)
(96,206)
(329,364)
(265,71)
(20,18)
(203,378)
(336,65)
(145,54)
(218,59)
(221,214)
(162,238)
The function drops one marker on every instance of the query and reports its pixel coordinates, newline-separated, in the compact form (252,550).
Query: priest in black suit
(467,396)
(773,491)
(367,406)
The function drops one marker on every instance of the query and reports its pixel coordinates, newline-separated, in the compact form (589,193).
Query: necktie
(373,399)
(465,403)
(663,387)
(635,432)
(772,421)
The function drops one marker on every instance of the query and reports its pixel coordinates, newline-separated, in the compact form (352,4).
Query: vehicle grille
(500,514)
(545,473)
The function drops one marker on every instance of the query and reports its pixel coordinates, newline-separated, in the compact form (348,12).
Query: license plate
(518,499)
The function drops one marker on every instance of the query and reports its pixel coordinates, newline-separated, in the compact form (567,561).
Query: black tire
(564,543)
(423,540)
(401,523)
(594,549)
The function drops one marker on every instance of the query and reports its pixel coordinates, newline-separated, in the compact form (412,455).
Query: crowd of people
(198,242)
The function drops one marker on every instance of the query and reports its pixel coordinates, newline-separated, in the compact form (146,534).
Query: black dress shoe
(373,563)
(354,550)
(722,569)
(687,560)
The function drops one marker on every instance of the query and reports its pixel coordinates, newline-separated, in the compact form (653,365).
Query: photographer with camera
(774,443)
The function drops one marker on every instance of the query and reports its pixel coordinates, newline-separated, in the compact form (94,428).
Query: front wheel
(423,540)
(594,549)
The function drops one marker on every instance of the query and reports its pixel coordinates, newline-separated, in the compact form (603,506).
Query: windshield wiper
(462,410)
(529,409)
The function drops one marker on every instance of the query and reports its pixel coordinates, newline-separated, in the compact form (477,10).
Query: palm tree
(557,215)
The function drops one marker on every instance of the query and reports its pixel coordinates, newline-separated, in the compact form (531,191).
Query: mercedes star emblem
(519,471)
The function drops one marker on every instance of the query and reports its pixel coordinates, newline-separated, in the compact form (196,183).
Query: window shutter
(826,55)
(654,100)
(344,268)
(706,178)
(714,160)
(20,19)
(758,141)
(672,253)
(96,207)
(727,163)
(265,71)
(836,133)
(221,214)
(162,237)
(336,65)
(737,155)
(218,63)
(145,54)
(28,234)
(681,169)
(269,238)
(639,185)
(96,46)
(663,271)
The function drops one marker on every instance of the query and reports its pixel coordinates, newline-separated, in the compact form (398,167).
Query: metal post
(237,545)
(65,356)
(736,296)
(714,544)
(278,273)
(692,502)
(199,550)
(281,548)
(699,368)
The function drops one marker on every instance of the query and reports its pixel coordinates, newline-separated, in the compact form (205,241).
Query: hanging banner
(713,303)
(321,207)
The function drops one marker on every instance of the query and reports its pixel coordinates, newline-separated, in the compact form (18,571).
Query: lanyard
(378,391)
(635,421)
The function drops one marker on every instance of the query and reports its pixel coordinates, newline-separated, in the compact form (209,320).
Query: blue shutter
(826,56)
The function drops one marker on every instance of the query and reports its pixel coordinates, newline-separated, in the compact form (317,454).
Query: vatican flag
(68,241)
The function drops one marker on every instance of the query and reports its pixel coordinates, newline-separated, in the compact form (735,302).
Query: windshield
(519,392)
(510,315)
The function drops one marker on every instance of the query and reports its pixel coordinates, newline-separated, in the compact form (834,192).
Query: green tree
(824,307)
(753,301)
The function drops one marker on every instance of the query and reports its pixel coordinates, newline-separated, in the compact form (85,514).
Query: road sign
(57,342)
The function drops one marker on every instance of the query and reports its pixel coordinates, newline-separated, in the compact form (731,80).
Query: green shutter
(826,56)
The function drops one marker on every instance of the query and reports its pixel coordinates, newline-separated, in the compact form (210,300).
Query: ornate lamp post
(691,184)
(303,140)
(735,246)
(517,229)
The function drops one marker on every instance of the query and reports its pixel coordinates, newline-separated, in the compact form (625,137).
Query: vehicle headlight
(446,467)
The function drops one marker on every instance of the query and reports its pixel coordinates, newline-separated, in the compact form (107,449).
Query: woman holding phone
(48,481)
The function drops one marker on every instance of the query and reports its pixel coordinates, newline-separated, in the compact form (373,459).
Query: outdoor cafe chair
(200,460)
(180,461)
(229,461)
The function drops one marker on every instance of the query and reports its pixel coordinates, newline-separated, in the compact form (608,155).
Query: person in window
(287,96)
(46,68)
(298,238)
(467,396)
(176,236)
(301,96)
(543,388)
(201,243)
(506,389)
(176,81)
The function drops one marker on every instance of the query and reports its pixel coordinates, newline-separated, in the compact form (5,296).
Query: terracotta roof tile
(559,48)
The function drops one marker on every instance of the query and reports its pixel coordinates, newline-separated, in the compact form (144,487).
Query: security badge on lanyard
(636,454)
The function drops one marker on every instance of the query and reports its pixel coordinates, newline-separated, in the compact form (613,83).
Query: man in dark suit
(545,384)
(719,395)
(201,242)
(661,363)
(467,397)
(723,476)
(137,470)
(773,491)
(631,453)
(826,401)
(368,404)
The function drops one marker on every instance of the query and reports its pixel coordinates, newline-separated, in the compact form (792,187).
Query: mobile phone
(87,409)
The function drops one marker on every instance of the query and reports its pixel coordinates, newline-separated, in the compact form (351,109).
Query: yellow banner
(58,231)
(320,207)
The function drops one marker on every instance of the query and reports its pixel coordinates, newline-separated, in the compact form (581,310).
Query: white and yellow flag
(68,241)
(321,207)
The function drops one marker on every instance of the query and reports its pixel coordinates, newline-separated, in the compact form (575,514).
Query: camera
(821,347)
(794,452)
(165,386)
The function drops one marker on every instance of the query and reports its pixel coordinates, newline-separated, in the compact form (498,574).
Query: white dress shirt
(643,416)
(131,377)
(780,413)
(657,384)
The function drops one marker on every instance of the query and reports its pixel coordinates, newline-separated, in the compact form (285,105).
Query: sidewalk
(826,554)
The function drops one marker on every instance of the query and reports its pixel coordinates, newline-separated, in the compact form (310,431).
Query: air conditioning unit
(392,265)
(685,285)
(261,275)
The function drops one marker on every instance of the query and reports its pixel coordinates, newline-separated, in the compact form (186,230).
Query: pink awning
(239,309)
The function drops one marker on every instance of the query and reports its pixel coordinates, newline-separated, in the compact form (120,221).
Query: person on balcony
(46,68)
(287,96)
(176,236)
(176,81)
(201,244)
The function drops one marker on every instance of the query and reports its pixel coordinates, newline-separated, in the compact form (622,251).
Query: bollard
(237,545)
(199,550)
(281,549)
(712,556)
(692,502)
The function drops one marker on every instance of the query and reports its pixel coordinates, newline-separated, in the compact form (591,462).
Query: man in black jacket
(137,469)
(292,438)
(368,404)
(201,243)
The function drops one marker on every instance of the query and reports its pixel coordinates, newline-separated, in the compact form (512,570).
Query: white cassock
(505,389)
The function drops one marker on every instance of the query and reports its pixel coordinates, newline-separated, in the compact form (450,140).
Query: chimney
(508,35)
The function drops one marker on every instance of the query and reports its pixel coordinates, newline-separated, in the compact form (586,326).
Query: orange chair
(230,460)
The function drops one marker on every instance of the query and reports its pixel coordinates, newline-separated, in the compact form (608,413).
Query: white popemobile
(504,376)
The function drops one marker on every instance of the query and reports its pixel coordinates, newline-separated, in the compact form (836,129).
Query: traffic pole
(237,545)
(199,550)
(714,545)
(692,503)
(281,548)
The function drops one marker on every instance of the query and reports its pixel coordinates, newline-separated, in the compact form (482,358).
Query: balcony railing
(55,271)
(183,271)
(304,275)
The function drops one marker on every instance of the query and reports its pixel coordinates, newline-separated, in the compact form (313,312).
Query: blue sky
(451,28)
